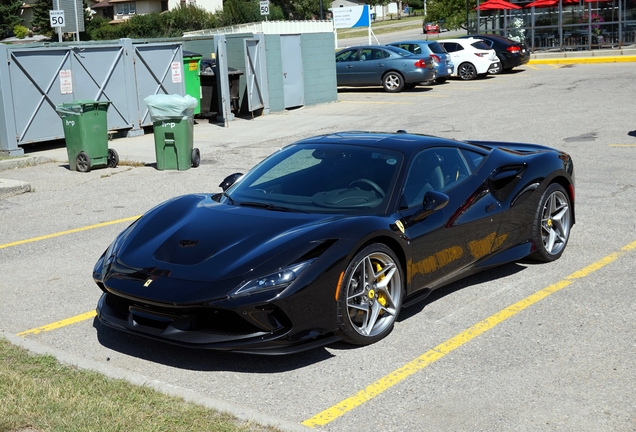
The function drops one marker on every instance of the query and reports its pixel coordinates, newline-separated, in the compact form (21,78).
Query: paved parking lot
(561,359)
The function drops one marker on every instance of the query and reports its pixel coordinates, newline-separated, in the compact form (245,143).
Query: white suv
(471,57)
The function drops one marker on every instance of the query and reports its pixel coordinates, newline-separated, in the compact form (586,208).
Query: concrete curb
(243,414)
(13,187)
(582,60)
(21,162)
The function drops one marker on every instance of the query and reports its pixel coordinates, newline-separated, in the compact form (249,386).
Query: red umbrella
(497,5)
(550,3)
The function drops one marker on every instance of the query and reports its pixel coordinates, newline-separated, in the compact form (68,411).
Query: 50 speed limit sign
(264,7)
(57,18)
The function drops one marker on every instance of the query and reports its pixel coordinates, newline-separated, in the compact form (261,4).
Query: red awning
(497,5)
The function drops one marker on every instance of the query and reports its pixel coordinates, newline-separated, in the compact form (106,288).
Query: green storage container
(191,65)
(86,134)
(174,144)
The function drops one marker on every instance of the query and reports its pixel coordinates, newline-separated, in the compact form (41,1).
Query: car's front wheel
(393,82)
(370,295)
(466,71)
(552,224)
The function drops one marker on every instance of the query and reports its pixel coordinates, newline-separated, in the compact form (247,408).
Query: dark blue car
(442,60)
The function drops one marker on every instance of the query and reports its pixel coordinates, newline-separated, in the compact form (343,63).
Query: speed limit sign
(264,7)
(57,18)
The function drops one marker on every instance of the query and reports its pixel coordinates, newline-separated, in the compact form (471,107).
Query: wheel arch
(569,188)
(397,249)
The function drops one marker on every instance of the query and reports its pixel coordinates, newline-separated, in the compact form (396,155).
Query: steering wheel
(377,189)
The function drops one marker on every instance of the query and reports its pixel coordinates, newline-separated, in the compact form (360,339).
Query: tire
(370,295)
(552,224)
(83,162)
(466,71)
(196,157)
(113,158)
(440,80)
(392,82)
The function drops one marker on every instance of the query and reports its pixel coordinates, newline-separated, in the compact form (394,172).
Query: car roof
(401,141)
(387,47)
(491,37)
(414,42)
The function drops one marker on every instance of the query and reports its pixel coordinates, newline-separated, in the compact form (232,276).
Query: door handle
(380,64)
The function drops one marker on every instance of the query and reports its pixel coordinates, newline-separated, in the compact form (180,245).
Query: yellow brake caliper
(381,298)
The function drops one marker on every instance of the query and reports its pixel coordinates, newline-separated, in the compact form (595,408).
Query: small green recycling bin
(191,65)
(86,134)
(173,121)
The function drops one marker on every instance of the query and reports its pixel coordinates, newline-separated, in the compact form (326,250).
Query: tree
(41,22)
(453,12)
(301,9)
(9,16)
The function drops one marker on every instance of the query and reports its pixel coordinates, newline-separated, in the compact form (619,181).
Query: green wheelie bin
(173,122)
(86,134)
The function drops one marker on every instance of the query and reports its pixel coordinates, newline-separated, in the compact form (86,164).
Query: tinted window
(473,159)
(436,169)
(366,54)
(436,48)
(480,45)
(322,178)
(400,51)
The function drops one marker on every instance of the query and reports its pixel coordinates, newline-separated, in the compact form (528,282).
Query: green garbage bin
(173,121)
(86,135)
(191,64)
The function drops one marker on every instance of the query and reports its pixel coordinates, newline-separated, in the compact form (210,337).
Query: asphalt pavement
(43,172)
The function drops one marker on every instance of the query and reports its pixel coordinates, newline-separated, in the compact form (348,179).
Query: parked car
(429,27)
(329,237)
(388,66)
(510,53)
(443,64)
(471,57)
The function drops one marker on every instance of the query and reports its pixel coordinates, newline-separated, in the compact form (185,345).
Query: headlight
(277,280)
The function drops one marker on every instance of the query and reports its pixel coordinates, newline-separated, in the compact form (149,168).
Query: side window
(458,47)
(378,54)
(349,55)
(366,54)
(416,49)
(434,169)
(450,46)
(473,159)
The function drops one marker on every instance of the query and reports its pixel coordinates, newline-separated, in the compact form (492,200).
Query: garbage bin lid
(77,107)
(187,54)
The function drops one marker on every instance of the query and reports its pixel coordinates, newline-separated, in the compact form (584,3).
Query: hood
(197,239)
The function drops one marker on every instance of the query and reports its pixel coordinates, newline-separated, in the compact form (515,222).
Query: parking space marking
(60,324)
(431,356)
(622,145)
(72,231)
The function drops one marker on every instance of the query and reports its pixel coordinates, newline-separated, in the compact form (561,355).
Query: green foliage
(9,16)
(41,22)
(453,12)
(240,12)
(302,9)
(20,31)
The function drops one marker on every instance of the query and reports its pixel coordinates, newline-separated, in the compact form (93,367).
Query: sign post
(57,22)
(264,8)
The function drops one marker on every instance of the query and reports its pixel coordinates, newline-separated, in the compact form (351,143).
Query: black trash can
(210,92)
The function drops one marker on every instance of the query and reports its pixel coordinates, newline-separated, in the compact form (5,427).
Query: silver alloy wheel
(392,82)
(374,293)
(467,71)
(555,222)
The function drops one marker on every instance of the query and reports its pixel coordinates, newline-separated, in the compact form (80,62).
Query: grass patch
(351,33)
(38,392)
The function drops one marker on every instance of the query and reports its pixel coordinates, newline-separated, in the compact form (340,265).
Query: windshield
(324,178)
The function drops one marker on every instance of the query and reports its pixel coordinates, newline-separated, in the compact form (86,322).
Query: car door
(346,62)
(455,51)
(371,66)
(447,241)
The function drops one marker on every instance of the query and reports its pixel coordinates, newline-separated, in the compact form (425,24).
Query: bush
(20,31)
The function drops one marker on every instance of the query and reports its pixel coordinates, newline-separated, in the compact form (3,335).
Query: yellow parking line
(75,230)
(59,324)
(395,377)
(622,145)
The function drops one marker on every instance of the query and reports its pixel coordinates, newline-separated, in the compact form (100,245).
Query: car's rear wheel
(393,82)
(370,295)
(466,71)
(552,224)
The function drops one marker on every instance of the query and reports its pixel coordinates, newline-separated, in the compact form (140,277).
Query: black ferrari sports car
(328,238)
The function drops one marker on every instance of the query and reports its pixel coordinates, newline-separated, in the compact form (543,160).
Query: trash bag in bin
(167,107)
(173,121)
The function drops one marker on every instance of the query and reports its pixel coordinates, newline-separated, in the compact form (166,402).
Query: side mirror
(230,180)
(432,202)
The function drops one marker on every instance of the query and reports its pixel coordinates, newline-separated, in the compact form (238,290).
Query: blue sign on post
(349,17)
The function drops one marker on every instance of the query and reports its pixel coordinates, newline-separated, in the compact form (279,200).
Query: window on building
(126,8)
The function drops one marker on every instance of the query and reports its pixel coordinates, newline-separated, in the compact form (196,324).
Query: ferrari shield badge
(148,282)
(400,225)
